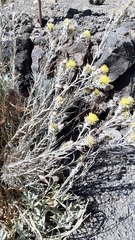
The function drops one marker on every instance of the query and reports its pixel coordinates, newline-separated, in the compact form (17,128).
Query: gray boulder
(118,54)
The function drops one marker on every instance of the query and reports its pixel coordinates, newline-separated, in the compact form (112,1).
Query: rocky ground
(111,181)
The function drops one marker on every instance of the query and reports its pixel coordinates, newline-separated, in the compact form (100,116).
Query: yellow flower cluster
(126,101)
(87,68)
(126,114)
(96,92)
(70,29)
(60,99)
(91,119)
(50,26)
(89,140)
(53,126)
(104,69)
(67,21)
(133,137)
(133,124)
(86,34)
(104,79)
(70,64)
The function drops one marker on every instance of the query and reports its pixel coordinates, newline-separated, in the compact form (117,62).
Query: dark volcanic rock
(125,84)
(24,48)
(118,55)
(96,2)
(80,52)
(71,12)
(23,61)
(121,59)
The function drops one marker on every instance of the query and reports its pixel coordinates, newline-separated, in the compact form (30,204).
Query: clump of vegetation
(46,138)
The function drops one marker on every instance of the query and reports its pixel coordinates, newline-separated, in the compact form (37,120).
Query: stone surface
(24,47)
(51,1)
(96,2)
(118,54)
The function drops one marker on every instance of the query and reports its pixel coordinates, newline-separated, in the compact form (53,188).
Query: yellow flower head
(89,140)
(67,21)
(70,29)
(71,64)
(96,92)
(91,118)
(133,137)
(87,68)
(50,26)
(60,99)
(126,114)
(126,101)
(133,124)
(104,79)
(86,34)
(53,126)
(104,69)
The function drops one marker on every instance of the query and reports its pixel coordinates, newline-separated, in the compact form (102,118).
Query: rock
(51,1)
(23,23)
(24,47)
(27,29)
(36,55)
(132,36)
(125,84)
(37,25)
(80,51)
(86,12)
(71,12)
(121,59)
(96,2)
(118,55)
